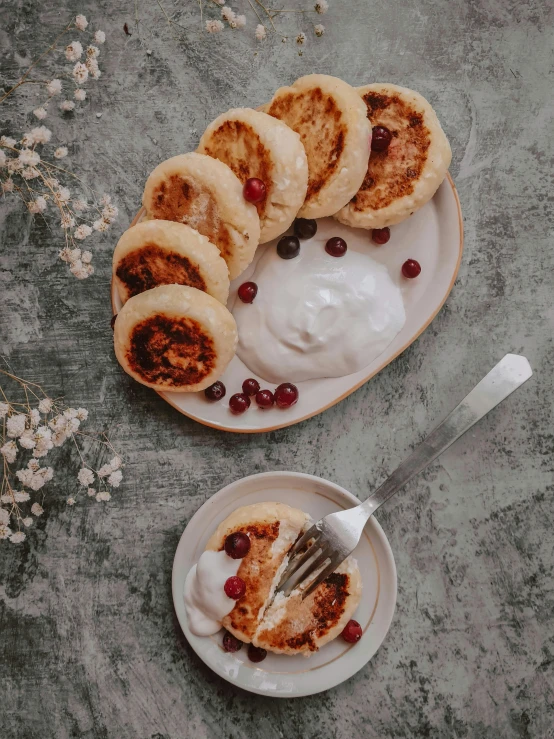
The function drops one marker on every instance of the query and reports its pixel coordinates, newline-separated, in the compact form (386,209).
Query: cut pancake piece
(405,176)
(174,338)
(156,253)
(331,120)
(294,626)
(205,194)
(254,144)
(272,529)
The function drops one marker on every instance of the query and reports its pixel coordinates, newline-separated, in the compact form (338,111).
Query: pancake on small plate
(331,120)
(406,175)
(174,338)
(257,145)
(156,253)
(205,194)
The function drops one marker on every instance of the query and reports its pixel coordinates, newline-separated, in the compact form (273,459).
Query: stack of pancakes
(310,145)
(286,625)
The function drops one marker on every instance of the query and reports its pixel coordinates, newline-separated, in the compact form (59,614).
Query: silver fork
(329,541)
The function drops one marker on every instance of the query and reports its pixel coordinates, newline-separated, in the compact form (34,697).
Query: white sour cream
(205,601)
(316,315)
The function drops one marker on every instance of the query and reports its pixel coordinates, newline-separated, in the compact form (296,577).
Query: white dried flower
(5,532)
(67,105)
(39,205)
(93,51)
(85,477)
(52,182)
(91,492)
(92,66)
(80,94)
(8,186)
(18,537)
(60,152)
(3,159)
(240,21)
(14,165)
(54,87)
(71,501)
(27,139)
(319,29)
(6,499)
(82,414)
(74,51)
(115,478)
(101,225)
(80,205)
(29,157)
(300,38)
(81,22)
(82,231)
(43,438)
(26,439)
(41,135)
(105,199)
(4,516)
(86,257)
(45,405)
(40,113)
(219,2)
(109,213)
(33,465)
(211,27)
(21,497)
(115,463)
(80,73)
(104,495)
(67,221)
(260,32)
(30,173)
(65,256)
(99,37)
(321,7)
(34,476)
(81,271)
(9,451)
(37,510)
(7,141)
(4,409)
(34,415)
(63,195)
(228,14)
(15,425)
(27,521)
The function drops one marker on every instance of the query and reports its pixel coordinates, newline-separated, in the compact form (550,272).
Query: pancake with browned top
(331,120)
(406,175)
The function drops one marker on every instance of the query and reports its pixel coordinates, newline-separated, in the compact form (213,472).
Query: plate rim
(177,582)
(234,430)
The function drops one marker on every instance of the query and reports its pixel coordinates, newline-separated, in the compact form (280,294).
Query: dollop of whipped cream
(206,603)
(316,315)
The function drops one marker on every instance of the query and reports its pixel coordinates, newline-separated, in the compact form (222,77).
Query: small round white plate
(433,236)
(282,676)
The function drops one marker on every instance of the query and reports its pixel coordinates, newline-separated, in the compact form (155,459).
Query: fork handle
(509,374)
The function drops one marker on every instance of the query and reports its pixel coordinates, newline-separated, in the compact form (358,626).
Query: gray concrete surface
(89,646)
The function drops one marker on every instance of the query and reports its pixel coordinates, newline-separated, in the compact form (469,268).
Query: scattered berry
(336,247)
(256,654)
(237,545)
(380,139)
(215,391)
(265,399)
(239,403)
(231,643)
(254,190)
(248,291)
(250,386)
(288,247)
(305,228)
(286,395)
(352,632)
(112,322)
(411,268)
(234,587)
(380,235)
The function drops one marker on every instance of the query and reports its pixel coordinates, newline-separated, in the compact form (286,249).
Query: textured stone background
(89,646)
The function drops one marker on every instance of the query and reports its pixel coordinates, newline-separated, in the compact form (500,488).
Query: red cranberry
(380,235)
(248,291)
(231,643)
(305,228)
(265,399)
(215,391)
(380,139)
(256,654)
(286,395)
(254,190)
(112,322)
(234,587)
(250,386)
(336,247)
(352,632)
(237,545)
(239,403)
(411,268)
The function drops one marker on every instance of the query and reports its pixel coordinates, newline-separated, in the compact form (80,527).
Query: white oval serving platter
(280,675)
(433,236)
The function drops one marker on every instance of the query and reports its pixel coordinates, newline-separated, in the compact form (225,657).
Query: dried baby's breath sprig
(319,30)
(31,430)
